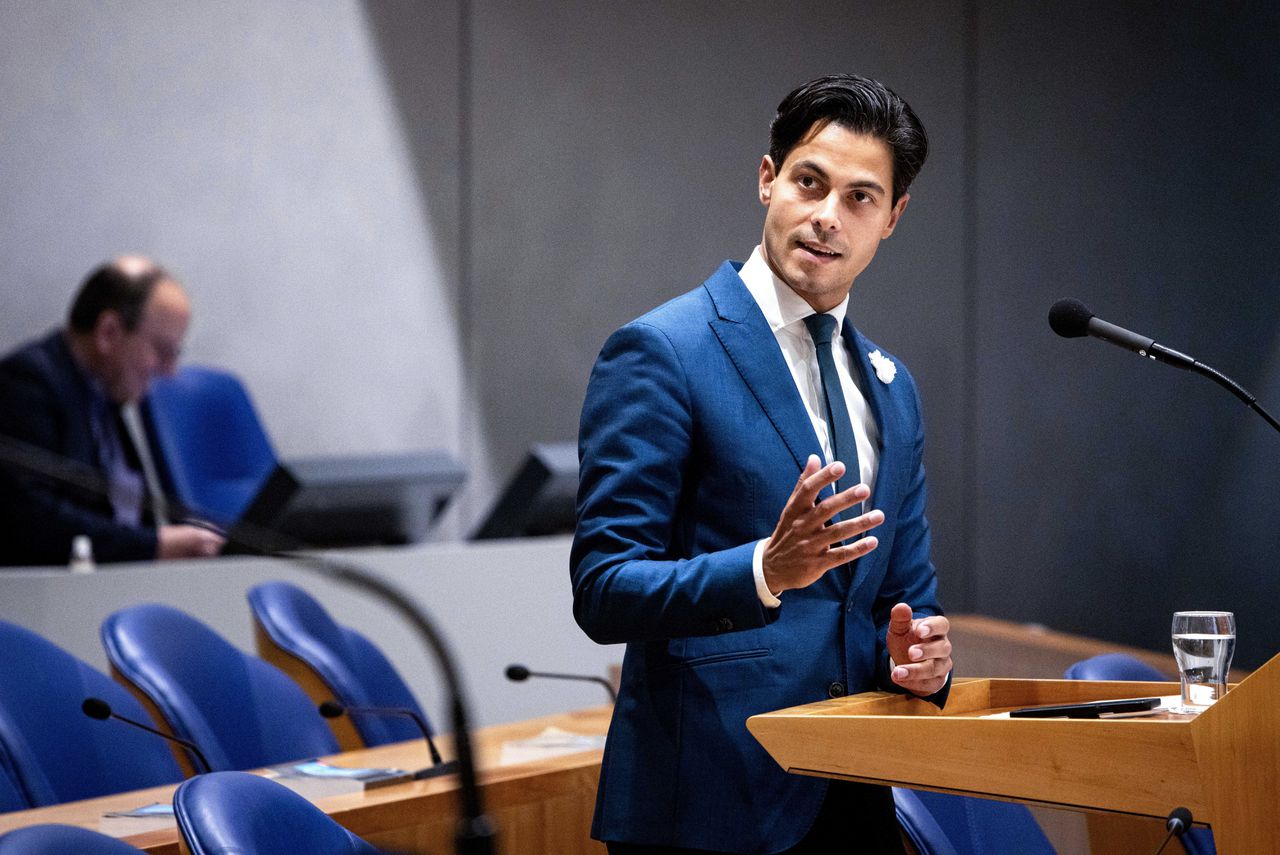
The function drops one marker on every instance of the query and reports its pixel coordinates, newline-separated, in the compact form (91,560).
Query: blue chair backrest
(976,826)
(11,797)
(211,439)
(348,663)
(1115,666)
(62,840)
(230,813)
(50,751)
(241,711)
(1122,666)
(926,836)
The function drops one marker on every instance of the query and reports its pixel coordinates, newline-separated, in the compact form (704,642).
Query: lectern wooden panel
(1222,765)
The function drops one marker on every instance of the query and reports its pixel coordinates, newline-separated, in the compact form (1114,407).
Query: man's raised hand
(803,546)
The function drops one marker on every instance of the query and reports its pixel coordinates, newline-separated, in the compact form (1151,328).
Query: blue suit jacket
(45,401)
(692,437)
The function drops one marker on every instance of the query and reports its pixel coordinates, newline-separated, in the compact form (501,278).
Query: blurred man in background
(75,393)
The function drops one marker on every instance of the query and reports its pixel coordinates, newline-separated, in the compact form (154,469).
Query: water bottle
(81,555)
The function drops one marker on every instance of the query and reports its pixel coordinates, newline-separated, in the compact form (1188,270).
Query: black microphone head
(96,708)
(517,673)
(331,709)
(1070,318)
(1179,821)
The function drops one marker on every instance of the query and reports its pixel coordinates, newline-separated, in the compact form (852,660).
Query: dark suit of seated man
(729,440)
(65,393)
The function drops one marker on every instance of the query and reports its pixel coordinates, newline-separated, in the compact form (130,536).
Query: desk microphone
(1072,319)
(519,673)
(333,709)
(1179,823)
(101,710)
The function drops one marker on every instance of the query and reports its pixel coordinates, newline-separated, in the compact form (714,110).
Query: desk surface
(540,806)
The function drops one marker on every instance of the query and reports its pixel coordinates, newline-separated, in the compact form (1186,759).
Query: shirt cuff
(767,599)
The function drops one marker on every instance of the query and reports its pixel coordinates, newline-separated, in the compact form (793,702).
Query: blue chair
(297,635)
(211,439)
(11,797)
(1122,666)
(62,840)
(229,813)
(1115,666)
(943,824)
(242,712)
(50,752)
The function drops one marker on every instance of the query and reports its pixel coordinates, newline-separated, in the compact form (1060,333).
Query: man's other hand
(920,650)
(187,541)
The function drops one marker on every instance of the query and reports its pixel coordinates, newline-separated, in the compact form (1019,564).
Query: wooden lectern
(1223,765)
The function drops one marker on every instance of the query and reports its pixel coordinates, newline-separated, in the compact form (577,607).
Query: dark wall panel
(1126,157)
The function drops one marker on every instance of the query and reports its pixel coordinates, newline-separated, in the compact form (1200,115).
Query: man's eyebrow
(864,184)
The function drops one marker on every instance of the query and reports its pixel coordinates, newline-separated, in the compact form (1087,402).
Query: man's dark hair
(861,105)
(111,288)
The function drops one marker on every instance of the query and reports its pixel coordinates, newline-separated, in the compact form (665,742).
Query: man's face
(828,208)
(130,359)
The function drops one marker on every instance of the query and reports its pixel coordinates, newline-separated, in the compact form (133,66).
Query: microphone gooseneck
(333,709)
(97,708)
(1070,318)
(519,673)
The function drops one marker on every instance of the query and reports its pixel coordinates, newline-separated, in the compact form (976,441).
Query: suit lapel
(888,491)
(752,347)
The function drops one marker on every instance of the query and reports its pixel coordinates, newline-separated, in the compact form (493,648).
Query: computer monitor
(540,499)
(354,500)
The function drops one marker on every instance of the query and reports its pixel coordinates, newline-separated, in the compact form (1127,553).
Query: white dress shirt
(785,311)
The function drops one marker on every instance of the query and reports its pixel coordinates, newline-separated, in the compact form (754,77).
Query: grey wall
(490,616)
(412,225)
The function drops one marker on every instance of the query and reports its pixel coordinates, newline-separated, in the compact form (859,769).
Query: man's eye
(860,196)
(807,181)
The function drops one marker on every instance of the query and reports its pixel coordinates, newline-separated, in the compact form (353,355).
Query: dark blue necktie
(843,447)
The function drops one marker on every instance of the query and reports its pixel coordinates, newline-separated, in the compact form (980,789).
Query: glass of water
(1203,644)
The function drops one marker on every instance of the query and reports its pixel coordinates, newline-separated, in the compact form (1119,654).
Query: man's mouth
(817,250)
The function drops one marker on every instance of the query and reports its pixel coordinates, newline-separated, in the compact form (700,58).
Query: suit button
(724,625)
(835,690)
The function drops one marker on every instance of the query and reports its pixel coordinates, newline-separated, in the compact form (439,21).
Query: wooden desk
(543,806)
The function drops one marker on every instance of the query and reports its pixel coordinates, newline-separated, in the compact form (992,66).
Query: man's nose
(826,216)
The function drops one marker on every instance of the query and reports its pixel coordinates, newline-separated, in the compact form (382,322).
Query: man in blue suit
(727,447)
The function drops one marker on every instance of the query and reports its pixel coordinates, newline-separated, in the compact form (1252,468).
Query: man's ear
(895,214)
(767,176)
(108,331)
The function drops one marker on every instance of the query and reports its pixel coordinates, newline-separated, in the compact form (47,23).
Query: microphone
(519,673)
(1072,319)
(99,709)
(333,709)
(1178,823)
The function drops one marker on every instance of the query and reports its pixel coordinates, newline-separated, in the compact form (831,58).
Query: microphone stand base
(436,771)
